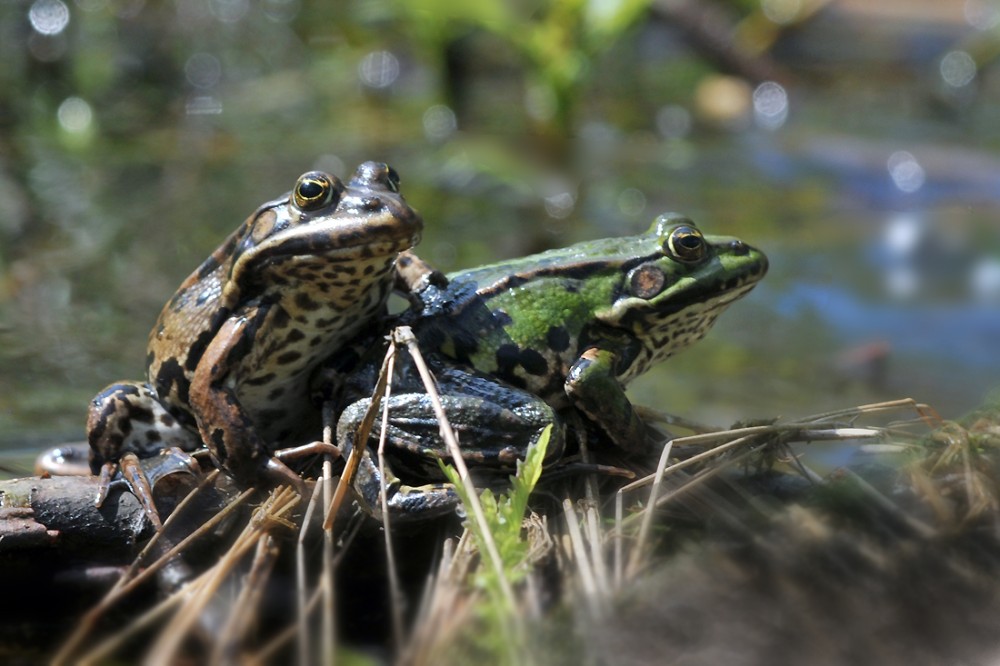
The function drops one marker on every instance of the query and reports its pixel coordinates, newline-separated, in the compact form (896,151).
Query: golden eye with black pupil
(314,190)
(686,244)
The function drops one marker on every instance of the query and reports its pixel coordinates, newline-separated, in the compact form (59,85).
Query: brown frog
(230,359)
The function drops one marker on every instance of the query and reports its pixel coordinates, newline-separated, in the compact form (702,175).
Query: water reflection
(201,105)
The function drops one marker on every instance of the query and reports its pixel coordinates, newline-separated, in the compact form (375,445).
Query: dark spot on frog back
(509,356)
(557,338)
(171,378)
(533,362)
(506,359)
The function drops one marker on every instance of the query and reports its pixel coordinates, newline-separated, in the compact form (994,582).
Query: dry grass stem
(396,600)
(404,335)
(653,493)
(462,608)
(226,648)
(90,619)
(301,571)
(360,442)
(201,592)
(584,568)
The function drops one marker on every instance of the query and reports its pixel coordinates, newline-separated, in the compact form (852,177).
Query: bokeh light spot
(75,115)
(958,69)
(905,171)
(230,11)
(203,70)
(378,69)
(49,17)
(439,122)
(673,122)
(281,11)
(770,105)
(982,14)
(631,202)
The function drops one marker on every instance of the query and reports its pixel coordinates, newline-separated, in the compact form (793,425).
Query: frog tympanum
(230,358)
(513,343)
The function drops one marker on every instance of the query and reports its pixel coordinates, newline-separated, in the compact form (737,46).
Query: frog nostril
(739,248)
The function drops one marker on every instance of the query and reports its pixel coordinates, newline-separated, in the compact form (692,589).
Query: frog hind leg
(404,502)
(126,422)
(494,422)
(225,425)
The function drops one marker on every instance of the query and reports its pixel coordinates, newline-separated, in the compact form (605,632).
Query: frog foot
(277,470)
(316,448)
(404,503)
(137,482)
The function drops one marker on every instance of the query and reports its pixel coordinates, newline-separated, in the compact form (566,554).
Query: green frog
(230,359)
(515,343)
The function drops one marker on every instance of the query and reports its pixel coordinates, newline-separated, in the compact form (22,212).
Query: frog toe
(107,474)
(135,480)
(422,502)
(280,474)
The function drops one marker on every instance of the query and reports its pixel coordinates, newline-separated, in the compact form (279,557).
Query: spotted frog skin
(513,343)
(230,358)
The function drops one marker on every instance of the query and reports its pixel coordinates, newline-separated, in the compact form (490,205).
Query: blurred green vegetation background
(857,143)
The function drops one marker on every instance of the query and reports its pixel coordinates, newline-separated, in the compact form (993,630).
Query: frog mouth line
(732,295)
(306,249)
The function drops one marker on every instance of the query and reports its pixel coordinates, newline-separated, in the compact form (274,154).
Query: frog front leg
(594,389)
(494,423)
(126,421)
(224,424)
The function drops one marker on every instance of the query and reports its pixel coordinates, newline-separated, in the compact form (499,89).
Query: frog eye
(392,179)
(646,281)
(686,244)
(314,190)
(376,175)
